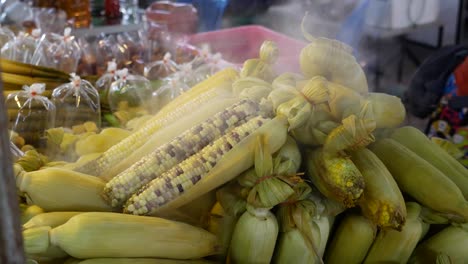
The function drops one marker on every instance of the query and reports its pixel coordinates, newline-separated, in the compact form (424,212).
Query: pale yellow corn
(121,187)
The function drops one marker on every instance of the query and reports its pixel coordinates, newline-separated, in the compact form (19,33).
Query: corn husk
(451,242)
(34,242)
(286,80)
(351,241)
(397,246)
(262,67)
(32,160)
(388,110)
(30,212)
(254,237)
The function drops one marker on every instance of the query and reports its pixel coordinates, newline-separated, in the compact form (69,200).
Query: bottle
(78,11)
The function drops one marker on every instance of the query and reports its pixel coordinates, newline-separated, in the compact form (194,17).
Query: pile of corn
(251,167)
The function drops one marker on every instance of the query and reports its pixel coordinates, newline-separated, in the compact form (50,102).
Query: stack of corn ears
(239,134)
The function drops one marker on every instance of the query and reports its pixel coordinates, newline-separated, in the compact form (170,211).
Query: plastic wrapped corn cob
(58,52)
(21,48)
(77,102)
(130,91)
(31,114)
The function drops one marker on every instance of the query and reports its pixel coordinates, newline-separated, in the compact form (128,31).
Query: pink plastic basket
(242,43)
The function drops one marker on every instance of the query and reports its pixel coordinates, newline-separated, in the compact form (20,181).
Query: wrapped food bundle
(77,102)
(6,35)
(31,114)
(20,48)
(104,82)
(130,90)
(58,52)
(161,68)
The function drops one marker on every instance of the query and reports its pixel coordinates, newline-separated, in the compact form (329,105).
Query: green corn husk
(32,160)
(388,110)
(304,229)
(451,242)
(224,215)
(34,242)
(397,246)
(351,241)
(287,80)
(254,237)
(262,67)
(299,109)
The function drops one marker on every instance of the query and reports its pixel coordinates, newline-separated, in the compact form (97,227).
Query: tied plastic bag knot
(36,89)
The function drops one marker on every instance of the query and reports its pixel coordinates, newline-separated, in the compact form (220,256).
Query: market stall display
(246,165)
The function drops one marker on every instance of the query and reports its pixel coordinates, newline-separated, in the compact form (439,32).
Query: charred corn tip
(183,176)
(121,187)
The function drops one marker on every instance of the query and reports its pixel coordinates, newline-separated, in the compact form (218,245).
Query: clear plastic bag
(130,92)
(207,63)
(21,48)
(161,68)
(103,84)
(172,86)
(6,35)
(58,52)
(77,102)
(30,114)
(109,49)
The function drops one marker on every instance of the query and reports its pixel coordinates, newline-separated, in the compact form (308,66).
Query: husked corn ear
(121,187)
(382,201)
(55,189)
(351,241)
(420,179)
(392,246)
(183,176)
(113,235)
(418,142)
(205,91)
(52,219)
(141,261)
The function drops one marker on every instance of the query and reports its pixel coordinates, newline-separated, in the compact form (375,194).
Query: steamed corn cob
(112,235)
(55,189)
(422,180)
(417,142)
(213,166)
(382,201)
(212,88)
(121,187)
(351,241)
(388,110)
(52,219)
(178,179)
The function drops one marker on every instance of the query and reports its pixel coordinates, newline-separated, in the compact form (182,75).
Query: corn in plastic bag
(21,48)
(58,52)
(103,84)
(30,114)
(130,92)
(77,102)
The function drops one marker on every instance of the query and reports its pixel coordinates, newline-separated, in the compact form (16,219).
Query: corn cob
(396,246)
(452,241)
(417,142)
(30,212)
(55,189)
(351,241)
(382,202)
(254,237)
(112,235)
(214,165)
(139,261)
(388,110)
(421,180)
(215,87)
(121,187)
(52,219)
(42,250)
(100,142)
(335,176)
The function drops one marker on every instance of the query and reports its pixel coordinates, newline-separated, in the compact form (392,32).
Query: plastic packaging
(161,68)
(58,52)
(21,48)
(130,92)
(109,49)
(6,35)
(77,102)
(103,84)
(30,114)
